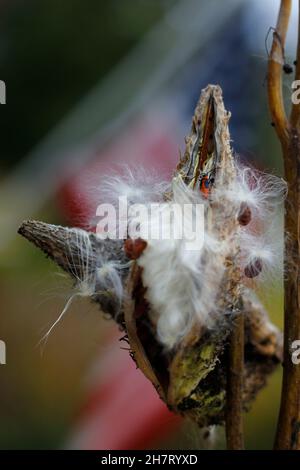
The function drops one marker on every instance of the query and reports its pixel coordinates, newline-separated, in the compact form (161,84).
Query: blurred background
(89,85)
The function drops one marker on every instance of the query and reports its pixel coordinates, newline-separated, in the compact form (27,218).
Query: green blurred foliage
(52,52)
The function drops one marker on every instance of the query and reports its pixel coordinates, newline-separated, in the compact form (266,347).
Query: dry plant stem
(288,431)
(274,79)
(234,405)
(295,111)
(288,428)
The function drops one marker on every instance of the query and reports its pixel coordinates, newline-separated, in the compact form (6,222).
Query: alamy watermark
(2,343)
(2,92)
(295,351)
(156,221)
(2,352)
(296,93)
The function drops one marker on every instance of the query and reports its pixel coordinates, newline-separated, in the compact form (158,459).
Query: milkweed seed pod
(177,298)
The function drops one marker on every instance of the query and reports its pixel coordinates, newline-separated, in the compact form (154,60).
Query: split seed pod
(190,377)
(177,310)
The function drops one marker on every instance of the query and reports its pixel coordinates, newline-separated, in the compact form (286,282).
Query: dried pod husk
(191,378)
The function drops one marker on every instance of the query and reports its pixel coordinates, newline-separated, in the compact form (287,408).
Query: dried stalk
(288,132)
(235,374)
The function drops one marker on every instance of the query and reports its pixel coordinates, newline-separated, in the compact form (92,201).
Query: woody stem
(288,132)
(234,405)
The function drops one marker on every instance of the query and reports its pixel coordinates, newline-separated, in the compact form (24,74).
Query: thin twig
(288,428)
(234,401)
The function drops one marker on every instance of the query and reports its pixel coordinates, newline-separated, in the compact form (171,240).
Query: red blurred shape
(122,409)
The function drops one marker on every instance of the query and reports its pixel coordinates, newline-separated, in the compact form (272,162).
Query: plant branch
(234,392)
(295,111)
(274,78)
(288,428)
